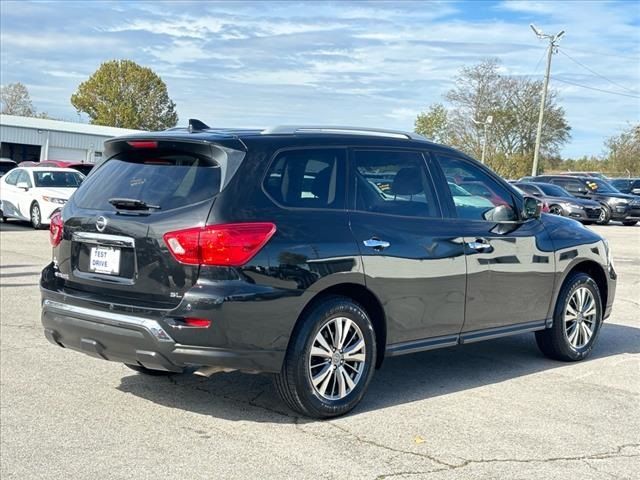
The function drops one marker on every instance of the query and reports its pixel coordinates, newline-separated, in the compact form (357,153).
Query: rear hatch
(113,248)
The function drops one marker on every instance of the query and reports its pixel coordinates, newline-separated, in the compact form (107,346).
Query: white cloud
(348,62)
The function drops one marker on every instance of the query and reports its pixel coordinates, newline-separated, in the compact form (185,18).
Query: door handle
(376,244)
(479,245)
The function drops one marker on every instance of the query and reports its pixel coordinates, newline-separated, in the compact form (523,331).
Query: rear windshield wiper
(132,204)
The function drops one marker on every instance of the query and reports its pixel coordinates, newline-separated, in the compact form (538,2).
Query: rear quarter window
(167,180)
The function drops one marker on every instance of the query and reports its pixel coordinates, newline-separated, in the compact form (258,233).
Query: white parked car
(35,193)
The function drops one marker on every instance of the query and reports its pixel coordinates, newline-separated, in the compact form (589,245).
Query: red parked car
(83,168)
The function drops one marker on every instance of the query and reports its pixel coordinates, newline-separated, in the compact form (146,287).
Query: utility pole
(552,46)
(488,121)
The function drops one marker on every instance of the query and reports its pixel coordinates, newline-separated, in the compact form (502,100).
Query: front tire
(36,216)
(630,223)
(605,215)
(576,321)
(556,210)
(330,359)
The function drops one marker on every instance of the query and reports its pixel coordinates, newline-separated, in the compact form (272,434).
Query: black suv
(615,204)
(311,254)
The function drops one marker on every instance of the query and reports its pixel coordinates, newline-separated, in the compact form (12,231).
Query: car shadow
(15,226)
(243,397)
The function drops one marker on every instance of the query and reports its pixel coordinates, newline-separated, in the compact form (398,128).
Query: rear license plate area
(104,260)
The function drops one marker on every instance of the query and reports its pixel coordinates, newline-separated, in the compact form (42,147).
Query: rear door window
(165,180)
(308,178)
(394,183)
(24,178)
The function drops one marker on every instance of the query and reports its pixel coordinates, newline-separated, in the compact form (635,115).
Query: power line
(596,89)
(596,73)
(602,52)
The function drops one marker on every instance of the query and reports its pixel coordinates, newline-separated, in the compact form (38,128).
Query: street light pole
(552,45)
(488,121)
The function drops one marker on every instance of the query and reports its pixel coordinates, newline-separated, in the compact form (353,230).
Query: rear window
(169,181)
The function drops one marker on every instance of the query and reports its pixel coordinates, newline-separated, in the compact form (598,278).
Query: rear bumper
(138,340)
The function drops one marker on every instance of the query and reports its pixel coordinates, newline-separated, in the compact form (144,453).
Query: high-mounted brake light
(230,245)
(56,227)
(143,144)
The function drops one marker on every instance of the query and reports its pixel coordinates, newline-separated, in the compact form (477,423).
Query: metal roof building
(39,139)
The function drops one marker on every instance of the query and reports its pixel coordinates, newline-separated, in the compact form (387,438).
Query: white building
(39,139)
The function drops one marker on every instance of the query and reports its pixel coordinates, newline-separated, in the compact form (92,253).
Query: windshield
(57,179)
(168,181)
(601,186)
(554,191)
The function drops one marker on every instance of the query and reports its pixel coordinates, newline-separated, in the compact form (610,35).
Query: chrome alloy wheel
(337,358)
(580,317)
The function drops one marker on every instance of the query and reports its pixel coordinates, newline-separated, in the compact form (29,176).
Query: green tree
(123,94)
(623,152)
(480,91)
(434,123)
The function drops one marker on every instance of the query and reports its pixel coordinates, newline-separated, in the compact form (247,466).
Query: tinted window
(488,199)
(12,178)
(528,188)
(601,186)
(57,179)
(554,190)
(394,183)
(167,180)
(569,184)
(309,178)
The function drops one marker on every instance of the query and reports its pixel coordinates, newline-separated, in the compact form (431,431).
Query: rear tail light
(56,227)
(231,244)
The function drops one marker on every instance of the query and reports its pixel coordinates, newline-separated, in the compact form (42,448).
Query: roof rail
(293,129)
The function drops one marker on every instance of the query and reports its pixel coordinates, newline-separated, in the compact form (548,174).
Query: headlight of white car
(59,201)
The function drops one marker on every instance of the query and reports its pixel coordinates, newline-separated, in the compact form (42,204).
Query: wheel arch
(363,296)
(595,271)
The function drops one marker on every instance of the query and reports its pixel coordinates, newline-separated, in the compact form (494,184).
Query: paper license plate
(105,260)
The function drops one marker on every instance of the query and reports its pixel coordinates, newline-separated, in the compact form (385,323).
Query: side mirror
(500,213)
(531,208)
(23,185)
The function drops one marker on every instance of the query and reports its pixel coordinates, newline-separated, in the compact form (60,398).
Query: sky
(365,63)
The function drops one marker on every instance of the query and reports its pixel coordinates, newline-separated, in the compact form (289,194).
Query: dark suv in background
(615,204)
(311,254)
(561,202)
(627,185)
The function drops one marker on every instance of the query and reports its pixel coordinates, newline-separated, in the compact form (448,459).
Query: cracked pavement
(496,409)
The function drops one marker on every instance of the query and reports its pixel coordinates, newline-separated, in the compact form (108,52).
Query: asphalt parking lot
(497,409)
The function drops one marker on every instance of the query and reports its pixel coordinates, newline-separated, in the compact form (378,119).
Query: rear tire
(326,374)
(605,216)
(572,337)
(36,216)
(630,223)
(149,371)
